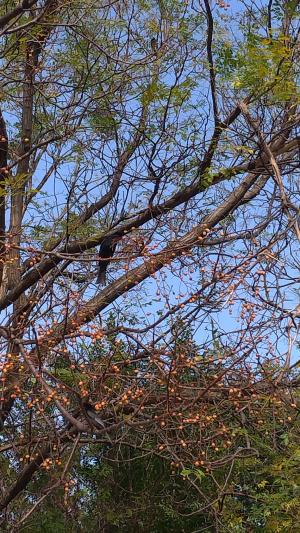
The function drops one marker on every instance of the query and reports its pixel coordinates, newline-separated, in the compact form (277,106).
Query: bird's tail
(101,278)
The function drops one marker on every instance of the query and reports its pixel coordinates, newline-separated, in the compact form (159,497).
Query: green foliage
(69,377)
(265,66)
(50,520)
(103,122)
(261,66)
(266,489)
(141,493)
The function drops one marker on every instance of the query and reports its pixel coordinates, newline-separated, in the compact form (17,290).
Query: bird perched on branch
(106,252)
(92,415)
(154,46)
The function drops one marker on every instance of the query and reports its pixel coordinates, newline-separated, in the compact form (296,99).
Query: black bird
(107,250)
(93,416)
(154,46)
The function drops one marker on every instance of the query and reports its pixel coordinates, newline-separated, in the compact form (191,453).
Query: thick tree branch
(14,13)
